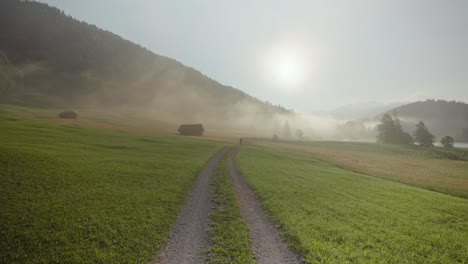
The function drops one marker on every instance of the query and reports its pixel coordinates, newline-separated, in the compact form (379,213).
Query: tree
(354,129)
(286,130)
(299,133)
(7,74)
(422,135)
(463,135)
(385,129)
(389,131)
(447,141)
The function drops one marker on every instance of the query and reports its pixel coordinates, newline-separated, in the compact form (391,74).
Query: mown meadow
(71,194)
(438,169)
(332,215)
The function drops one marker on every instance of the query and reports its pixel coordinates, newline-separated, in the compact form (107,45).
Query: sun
(287,69)
(286,66)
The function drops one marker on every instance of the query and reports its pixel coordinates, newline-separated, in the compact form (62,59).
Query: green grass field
(113,120)
(435,168)
(229,237)
(332,215)
(73,195)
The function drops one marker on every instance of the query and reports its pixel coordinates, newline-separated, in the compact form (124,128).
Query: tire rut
(188,238)
(268,246)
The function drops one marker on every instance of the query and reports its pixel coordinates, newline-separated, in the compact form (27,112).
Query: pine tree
(391,132)
(422,135)
(385,129)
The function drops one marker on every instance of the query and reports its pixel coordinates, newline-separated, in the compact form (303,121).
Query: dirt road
(267,244)
(188,237)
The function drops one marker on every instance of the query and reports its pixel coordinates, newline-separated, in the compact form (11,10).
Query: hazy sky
(306,55)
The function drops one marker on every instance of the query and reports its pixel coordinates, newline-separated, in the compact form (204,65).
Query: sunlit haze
(304,55)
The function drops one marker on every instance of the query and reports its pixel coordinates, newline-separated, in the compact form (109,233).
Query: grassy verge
(429,168)
(230,241)
(331,215)
(70,194)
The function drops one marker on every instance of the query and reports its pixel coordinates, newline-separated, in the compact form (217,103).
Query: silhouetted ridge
(54,60)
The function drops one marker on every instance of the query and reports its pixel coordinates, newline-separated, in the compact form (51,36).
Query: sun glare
(286,66)
(288,70)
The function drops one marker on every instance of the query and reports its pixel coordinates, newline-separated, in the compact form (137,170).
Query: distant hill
(441,117)
(49,59)
(361,110)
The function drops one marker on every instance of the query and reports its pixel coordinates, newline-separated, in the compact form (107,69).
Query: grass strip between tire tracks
(229,236)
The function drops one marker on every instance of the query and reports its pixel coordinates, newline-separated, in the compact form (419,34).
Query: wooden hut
(191,129)
(68,115)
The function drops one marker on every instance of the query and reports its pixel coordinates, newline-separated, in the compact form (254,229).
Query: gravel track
(188,238)
(267,244)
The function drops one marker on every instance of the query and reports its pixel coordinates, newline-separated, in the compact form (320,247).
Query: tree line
(390,131)
(445,117)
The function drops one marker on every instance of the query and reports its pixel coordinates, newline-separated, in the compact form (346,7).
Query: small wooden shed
(68,115)
(191,129)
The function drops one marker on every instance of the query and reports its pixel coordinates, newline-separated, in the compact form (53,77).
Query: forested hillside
(49,59)
(441,117)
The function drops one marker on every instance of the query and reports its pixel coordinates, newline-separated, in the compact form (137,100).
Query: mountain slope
(361,110)
(57,61)
(441,117)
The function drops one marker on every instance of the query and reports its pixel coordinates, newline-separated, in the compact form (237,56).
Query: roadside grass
(229,236)
(70,194)
(332,215)
(429,168)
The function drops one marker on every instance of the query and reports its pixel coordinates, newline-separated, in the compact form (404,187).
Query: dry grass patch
(417,167)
